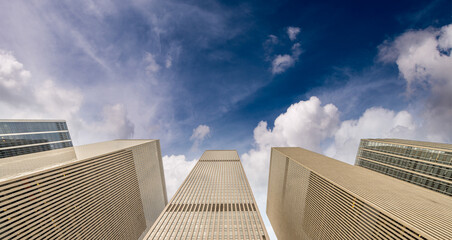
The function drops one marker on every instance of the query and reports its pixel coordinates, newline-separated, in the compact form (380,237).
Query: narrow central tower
(214,202)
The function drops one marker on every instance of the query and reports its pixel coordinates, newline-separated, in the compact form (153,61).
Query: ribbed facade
(421,163)
(18,137)
(106,196)
(214,202)
(311,196)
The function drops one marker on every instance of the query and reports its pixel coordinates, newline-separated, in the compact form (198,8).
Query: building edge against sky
(214,202)
(425,164)
(20,136)
(311,196)
(109,190)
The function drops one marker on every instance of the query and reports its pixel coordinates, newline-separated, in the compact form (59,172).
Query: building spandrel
(19,137)
(425,164)
(214,202)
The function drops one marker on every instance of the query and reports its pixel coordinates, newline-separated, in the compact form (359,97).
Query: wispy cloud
(199,134)
(152,65)
(44,98)
(282,62)
(293,32)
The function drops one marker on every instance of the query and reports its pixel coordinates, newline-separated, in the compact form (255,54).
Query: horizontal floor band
(210,207)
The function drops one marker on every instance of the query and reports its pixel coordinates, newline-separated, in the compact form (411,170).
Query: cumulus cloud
(304,124)
(424,60)
(293,32)
(24,96)
(176,169)
(374,123)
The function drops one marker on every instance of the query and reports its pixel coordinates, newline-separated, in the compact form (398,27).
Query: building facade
(18,137)
(108,190)
(214,202)
(424,164)
(311,196)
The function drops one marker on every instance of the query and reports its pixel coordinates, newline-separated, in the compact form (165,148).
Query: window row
(408,151)
(429,183)
(18,140)
(426,168)
(23,127)
(33,149)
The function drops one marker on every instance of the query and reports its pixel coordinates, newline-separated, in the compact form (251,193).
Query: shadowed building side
(311,196)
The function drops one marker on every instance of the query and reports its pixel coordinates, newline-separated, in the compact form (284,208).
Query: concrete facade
(214,202)
(108,190)
(425,164)
(311,196)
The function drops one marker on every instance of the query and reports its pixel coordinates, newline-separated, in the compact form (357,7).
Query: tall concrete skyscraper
(108,190)
(214,202)
(425,164)
(18,137)
(311,196)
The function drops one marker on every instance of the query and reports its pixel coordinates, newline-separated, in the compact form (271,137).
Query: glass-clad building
(19,137)
(422,163)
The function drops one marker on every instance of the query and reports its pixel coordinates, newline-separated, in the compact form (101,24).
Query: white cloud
(199,134)
(304,124)
(35,99)
(24,96)
(424,60)
(176,169)
(281,63)
(374,123)
(293,32)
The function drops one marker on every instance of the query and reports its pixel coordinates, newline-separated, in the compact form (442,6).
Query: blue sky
(244,75)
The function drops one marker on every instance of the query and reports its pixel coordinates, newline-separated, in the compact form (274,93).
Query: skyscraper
(311,196)
(108,190)
(18,137)
(422,163)
(214,202)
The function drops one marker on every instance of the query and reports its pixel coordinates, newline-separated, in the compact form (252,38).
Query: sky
(244,75)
